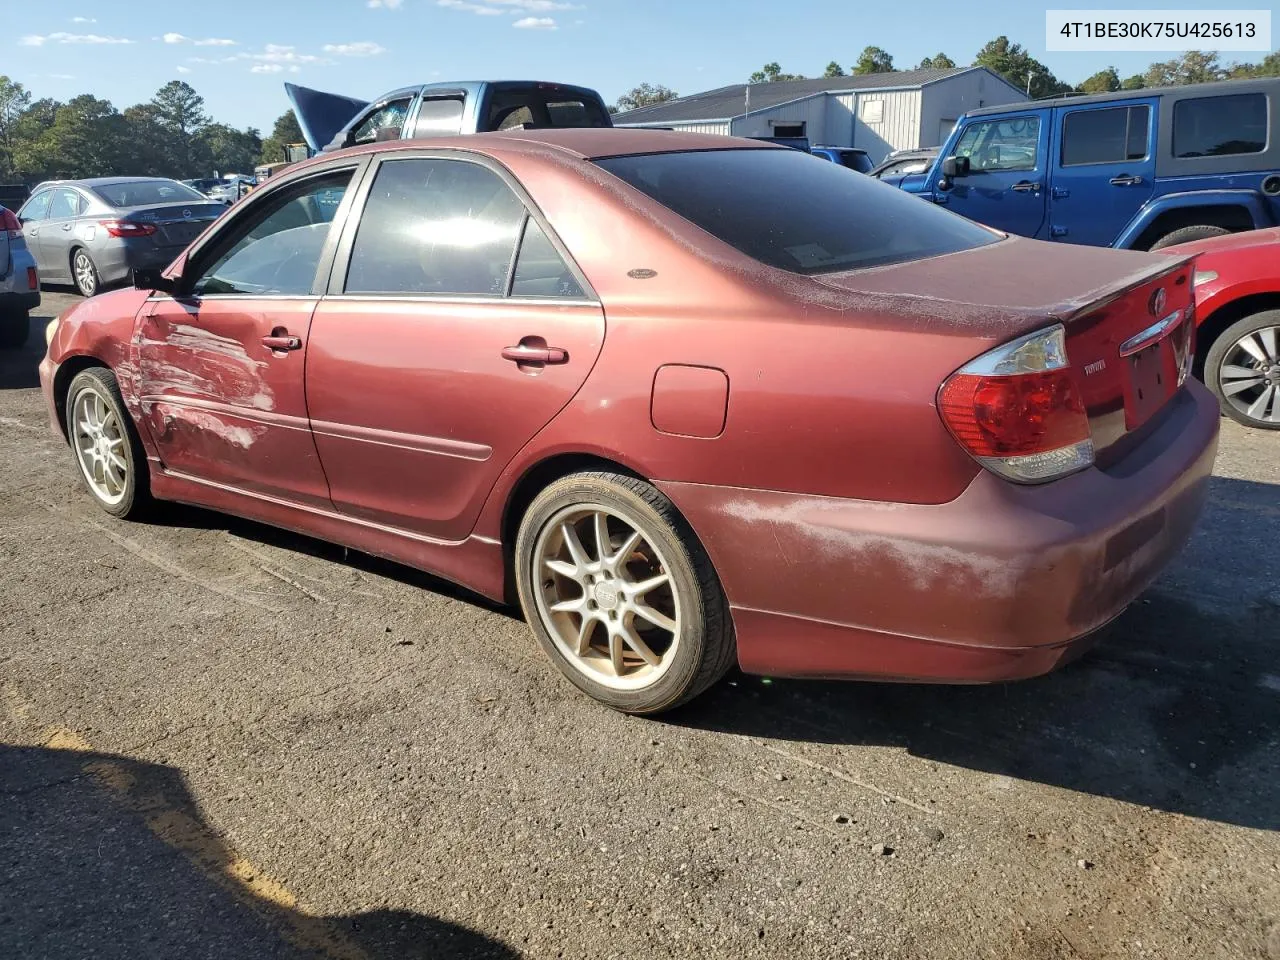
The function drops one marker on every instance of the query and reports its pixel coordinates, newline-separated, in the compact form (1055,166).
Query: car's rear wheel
(1243,368)
(1199,231)
(112,462)
(84,272)
(620,594)
(14,329)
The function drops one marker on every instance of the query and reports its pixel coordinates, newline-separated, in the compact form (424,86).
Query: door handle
(280,340)
(1126,181)
(1027,186)
(531,353)
(66,226)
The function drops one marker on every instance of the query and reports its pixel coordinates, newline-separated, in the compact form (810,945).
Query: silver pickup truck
(330,121)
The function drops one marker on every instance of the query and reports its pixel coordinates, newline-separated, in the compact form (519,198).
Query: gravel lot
(219,740)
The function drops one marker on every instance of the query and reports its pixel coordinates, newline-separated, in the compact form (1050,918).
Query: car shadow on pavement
(110,857)
(19,368)
(1177,708)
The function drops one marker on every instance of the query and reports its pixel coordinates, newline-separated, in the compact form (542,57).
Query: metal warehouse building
(876,112)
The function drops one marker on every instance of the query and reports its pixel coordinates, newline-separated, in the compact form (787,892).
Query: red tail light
(127,228)
(33,281)
(1017,410)
(10,223)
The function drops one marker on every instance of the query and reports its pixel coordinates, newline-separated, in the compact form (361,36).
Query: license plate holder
(1153,378)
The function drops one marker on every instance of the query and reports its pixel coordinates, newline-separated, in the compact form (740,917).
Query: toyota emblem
(187,214)
(1156,306)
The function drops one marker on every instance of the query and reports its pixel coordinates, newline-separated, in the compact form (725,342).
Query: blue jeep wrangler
(1138,169)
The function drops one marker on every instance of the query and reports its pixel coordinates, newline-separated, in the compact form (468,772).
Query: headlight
(1204,276)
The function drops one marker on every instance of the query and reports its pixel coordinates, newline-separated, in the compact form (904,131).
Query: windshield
(796,212)
(137,193)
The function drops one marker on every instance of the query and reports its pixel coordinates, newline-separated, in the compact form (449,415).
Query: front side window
(275,250)
(389,116)
(999,145)
(788,210)
(1220,126)
(1113,135)
(37,208)
(66,204)
(433,226)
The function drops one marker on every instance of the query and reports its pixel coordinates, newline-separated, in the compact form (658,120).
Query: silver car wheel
(1250,375)
(606,596)
(99,440)
(85,275)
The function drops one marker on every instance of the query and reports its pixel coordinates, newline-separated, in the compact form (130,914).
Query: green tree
(285,131)
(833,70)
(873,60)
(645,95)
(1136,82)
(230,150)
(1104,81)
(14,101)
(179,113)
(1194,66)
(1269,67)
(142,121)
(88,138)
(771,73)
(1021,69)
(939,61)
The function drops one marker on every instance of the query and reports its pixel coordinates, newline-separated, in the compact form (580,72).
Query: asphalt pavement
(220,740)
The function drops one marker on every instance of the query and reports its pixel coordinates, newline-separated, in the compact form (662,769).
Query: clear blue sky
(60,48)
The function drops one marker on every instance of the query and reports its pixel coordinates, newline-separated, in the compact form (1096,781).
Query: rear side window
(1220,126)
(439,117)
(540,271)
(791,210)
(435,227)
(1113,135)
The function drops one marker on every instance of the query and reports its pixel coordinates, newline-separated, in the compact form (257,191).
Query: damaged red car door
(221,361)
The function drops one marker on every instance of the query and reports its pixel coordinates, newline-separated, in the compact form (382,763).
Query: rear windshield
(139,192)
(793,211)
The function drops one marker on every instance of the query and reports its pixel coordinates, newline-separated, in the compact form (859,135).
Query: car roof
(97,181)
(1218,88)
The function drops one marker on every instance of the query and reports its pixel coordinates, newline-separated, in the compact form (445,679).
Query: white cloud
(84,20)
(535,23)
(361,48)
(61,76)
(532,6)
(36,40)
(183,69)
(207,42)
(385,4)
(266,68)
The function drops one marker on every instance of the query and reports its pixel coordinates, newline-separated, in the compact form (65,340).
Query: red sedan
(1237,286)
(689,399)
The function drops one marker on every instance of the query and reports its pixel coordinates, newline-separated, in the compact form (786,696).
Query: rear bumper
(19,302)
(1003,582)
(119,260)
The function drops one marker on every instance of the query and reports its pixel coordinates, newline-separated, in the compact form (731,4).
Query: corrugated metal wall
(947,100)
(886,121)
(811,112)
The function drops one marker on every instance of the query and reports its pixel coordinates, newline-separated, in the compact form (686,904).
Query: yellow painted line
(204,848)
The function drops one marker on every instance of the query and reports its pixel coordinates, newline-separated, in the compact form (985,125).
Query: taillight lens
(127,228)
(33,280)
(1017,410)
(10,223)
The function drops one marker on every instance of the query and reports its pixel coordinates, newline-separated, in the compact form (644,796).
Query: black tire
(91,283)
(136,499)
(704,650)
(15,327)
(1199,231)
(1224,352)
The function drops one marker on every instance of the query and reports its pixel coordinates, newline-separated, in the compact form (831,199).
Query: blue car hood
(321,115)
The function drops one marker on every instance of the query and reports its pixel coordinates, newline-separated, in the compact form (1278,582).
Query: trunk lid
(1127,317)
(176,224)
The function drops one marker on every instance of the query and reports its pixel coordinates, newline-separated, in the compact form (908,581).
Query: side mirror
(953,167)
(149,278)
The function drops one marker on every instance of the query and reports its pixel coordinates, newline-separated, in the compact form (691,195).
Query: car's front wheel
(1243,368)
(620,594)
(84,273)
(112,462)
